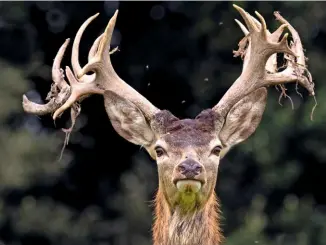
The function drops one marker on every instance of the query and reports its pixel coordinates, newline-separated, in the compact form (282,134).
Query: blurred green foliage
(265,210)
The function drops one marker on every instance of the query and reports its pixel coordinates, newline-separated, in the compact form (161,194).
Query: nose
(190,168)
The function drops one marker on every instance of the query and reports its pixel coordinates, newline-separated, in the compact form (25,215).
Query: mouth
(188,185)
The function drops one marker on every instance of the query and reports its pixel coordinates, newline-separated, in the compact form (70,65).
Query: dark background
(178,55)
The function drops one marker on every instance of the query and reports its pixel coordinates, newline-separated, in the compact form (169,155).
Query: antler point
(237,7)
(115,15)
(242,27)
(94,16)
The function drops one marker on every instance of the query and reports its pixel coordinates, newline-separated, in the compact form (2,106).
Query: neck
(200,227)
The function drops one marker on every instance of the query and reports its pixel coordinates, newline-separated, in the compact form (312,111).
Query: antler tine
(247,18)
(93,50)
(101,56)
(242,27)
(75,48)
(261,56)
(56,99)
(243,51)
(57,72)
(108,35)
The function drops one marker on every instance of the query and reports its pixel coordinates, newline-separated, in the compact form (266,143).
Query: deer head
(187,151)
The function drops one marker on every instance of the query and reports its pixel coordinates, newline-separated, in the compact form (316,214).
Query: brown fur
(200,227)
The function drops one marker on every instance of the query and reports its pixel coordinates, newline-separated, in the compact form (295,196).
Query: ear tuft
(127,119)
(244,118)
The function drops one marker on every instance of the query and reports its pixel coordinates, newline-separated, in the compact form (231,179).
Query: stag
(187,151)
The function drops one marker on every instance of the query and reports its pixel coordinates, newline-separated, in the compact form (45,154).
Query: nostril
(181,168)
(198,169)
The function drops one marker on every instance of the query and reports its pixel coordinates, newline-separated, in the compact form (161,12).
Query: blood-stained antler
(259,48)
(63,96)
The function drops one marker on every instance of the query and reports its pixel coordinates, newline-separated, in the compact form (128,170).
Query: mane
(201,227)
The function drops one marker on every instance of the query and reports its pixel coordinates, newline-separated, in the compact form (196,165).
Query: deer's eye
(216,150)
(159,151)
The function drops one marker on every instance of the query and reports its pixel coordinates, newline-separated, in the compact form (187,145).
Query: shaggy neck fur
(200,227)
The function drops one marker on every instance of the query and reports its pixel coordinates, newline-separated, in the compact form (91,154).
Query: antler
(260,66)
(63,96)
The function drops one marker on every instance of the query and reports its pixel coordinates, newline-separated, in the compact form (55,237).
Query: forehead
(196,132)
(188,132)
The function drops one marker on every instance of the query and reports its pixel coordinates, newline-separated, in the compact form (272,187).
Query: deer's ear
(243,118)
(127,119)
